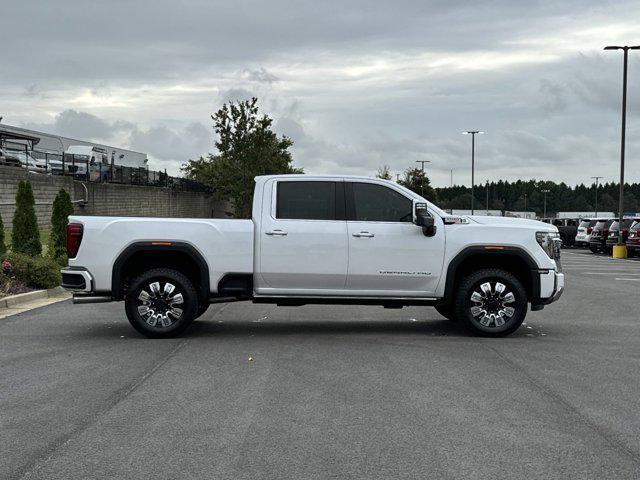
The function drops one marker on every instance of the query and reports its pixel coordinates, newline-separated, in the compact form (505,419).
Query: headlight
(548,242)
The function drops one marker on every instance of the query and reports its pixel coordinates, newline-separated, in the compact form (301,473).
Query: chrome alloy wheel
(490,304)
(160,307)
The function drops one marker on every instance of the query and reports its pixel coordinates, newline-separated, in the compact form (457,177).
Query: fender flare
(503,250)
(137,247)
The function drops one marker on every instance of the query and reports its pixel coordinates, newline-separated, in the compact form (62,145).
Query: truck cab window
(306,200)
(377,203)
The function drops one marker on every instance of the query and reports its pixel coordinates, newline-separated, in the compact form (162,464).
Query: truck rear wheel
(161,303)
(491,303)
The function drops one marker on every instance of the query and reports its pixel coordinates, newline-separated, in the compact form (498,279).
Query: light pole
(452,177)
(625,49)
(487,197)
(473,160)
(525,202)
(544,215)
(422,179)
(596,206)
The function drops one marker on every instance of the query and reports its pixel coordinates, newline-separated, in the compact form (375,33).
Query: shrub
(3,247)
(35,272)
(25,237)
(62,208)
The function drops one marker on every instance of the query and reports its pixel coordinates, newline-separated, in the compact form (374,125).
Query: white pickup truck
(318,239)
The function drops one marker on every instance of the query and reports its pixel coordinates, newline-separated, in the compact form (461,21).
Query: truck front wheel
(491,302)
(161,303)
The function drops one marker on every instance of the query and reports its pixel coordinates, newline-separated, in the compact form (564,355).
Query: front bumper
(551,289)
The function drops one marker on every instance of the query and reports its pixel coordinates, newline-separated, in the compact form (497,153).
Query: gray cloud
(355,84)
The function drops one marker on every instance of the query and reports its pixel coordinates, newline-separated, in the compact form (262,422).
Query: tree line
(529,196)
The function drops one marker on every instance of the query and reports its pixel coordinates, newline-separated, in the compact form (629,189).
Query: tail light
(589,230)
(74,237)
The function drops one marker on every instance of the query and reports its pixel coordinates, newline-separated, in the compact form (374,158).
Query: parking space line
(629,279)
(608,273)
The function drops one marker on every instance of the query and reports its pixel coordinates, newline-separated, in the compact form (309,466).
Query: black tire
(445,311)
(594,249)
(168,324)
(500,313)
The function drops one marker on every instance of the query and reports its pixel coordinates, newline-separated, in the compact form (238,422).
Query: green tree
(416,181)
(25,237)
(384,172)
(3,246)
(62,208)
(247,147)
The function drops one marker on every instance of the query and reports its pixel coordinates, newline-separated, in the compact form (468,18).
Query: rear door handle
(281,233)
(364,234)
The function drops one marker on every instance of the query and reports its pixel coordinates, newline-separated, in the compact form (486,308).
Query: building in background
(46,143)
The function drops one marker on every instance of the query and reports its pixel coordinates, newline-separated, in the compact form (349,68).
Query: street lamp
(622,252)
(422,179)
(596,206)
(473,160)
(487,188)
(544,215)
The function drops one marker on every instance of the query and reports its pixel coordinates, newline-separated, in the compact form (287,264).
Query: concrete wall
(104,199)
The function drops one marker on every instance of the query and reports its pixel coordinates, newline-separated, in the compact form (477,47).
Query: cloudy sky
(355,84)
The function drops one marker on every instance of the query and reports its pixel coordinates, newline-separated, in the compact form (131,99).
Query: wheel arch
(141,256)
(511,259)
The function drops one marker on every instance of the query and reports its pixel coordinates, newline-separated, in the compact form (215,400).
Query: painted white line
(609,273)
(629,279)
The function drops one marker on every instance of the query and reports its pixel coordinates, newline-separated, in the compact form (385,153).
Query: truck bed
(228,241)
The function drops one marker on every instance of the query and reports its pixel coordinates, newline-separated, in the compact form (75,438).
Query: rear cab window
(306,200)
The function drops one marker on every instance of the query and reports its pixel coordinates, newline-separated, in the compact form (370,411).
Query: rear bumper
(76,279)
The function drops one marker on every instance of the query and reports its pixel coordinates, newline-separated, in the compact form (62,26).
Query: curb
(22,298)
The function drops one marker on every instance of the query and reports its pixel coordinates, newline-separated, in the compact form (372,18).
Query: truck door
(303,238)
(388,254)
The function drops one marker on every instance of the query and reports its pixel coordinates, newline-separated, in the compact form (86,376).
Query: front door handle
(281,233)
(364,234)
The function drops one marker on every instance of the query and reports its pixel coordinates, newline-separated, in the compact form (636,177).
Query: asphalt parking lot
(258,391)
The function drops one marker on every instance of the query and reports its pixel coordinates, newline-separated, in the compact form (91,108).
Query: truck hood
(511,221)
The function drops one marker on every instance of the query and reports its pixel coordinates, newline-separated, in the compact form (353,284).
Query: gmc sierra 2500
(318,239)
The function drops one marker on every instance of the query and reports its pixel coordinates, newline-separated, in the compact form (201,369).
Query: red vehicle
(633,240)
(614,231)
(599,235)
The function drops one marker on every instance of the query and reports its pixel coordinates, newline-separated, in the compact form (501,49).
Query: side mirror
(424,219)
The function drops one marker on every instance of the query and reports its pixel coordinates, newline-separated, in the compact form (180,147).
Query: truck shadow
(330,327)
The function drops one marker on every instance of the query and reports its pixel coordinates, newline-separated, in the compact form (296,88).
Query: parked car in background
(31,163)
(8,158)
(583,235)
(597,243)
(567,227)
(633,240)
(615,231)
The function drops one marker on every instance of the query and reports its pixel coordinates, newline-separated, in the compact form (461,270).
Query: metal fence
(94,169)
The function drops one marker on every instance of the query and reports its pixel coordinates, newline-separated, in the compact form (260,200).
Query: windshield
(585,223)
